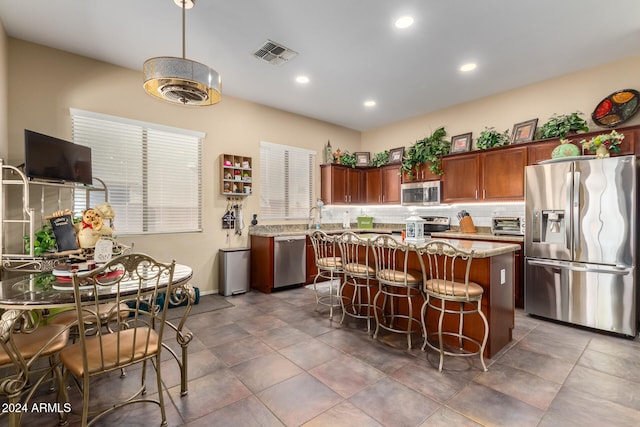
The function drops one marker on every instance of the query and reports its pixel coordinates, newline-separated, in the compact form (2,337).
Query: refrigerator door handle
(576,212)
(580,267)
(568,220)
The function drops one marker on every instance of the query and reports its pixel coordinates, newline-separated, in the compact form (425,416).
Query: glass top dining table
(44,291)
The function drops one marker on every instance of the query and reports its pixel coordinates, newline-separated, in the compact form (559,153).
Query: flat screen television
(52,159)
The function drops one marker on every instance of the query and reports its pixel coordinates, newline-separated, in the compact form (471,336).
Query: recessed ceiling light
(302,79)
(370,103)
(404,22)
(468,67)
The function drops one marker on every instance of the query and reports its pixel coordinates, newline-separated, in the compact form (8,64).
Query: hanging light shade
(180,80)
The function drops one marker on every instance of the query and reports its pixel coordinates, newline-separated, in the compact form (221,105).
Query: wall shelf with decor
(236,176)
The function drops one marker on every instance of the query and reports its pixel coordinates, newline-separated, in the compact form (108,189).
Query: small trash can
(235,265)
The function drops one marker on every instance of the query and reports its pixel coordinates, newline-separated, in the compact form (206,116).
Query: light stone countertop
(482,249)
(475,236)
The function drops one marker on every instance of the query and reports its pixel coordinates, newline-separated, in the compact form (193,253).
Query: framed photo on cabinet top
(524,132)
(460,143)
(362,159)
(395,155)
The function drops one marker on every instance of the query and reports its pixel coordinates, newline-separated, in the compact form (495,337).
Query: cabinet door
(503,174)
(424,173)
(355,187)
(461,178)
(540,151)
(333,184)
(391,179)
(373,186)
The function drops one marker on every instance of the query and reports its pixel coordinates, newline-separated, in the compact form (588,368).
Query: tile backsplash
(480,212)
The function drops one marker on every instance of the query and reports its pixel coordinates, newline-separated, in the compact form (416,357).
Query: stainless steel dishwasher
(289,260)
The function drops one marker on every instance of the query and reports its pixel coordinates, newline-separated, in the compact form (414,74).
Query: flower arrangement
(610,141)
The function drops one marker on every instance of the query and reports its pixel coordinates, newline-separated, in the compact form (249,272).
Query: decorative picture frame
(362,159)
(524,131)
(396,155)
(461,143)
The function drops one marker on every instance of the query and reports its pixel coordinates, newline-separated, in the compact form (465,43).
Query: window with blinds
(286,181)
(151,171)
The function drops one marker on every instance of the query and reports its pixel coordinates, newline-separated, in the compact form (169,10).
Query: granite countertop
(304,230)
(482,249)
(476,236)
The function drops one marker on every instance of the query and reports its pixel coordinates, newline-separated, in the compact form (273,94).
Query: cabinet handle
(476,194)
(484,194)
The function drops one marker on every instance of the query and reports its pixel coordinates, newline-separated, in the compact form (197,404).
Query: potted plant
(490,138)
(44,240)
(428,150)
(559,126)
(348,159)
(380,159)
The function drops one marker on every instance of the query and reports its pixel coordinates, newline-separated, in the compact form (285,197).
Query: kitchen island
(492,268)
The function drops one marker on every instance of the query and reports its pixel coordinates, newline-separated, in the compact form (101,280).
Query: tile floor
(271,360)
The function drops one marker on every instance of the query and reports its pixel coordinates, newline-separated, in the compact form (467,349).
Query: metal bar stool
(329,265)
(359,273)
(450,289)
(396,282)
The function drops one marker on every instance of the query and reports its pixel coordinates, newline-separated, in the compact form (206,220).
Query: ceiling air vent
(274,53)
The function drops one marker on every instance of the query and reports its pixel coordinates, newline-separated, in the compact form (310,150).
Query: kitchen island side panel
(262,263)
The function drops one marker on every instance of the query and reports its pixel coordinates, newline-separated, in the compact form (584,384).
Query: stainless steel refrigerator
(581,242)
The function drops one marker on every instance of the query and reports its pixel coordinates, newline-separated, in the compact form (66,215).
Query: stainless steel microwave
(420,193)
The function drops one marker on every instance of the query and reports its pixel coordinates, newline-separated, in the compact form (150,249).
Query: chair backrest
(446,265)
(392,260)
(326,250)
(134,283)
(355,254)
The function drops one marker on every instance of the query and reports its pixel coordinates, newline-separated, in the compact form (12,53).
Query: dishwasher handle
(289,238)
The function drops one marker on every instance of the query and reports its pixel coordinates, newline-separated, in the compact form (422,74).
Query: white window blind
(286,181)
(152,172)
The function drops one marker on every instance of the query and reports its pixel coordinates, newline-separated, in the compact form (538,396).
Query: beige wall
(45,83)
(580,91)
(4,98)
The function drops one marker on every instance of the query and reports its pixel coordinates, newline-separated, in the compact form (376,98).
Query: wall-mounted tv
(52,159)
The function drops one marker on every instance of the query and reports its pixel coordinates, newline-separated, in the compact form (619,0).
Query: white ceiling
(350,49)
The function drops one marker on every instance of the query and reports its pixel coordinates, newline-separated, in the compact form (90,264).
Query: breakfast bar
(492,268)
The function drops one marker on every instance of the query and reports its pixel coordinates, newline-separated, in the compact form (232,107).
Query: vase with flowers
(603,144)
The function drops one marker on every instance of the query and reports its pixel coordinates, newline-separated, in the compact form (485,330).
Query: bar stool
(397,282)
(329,265)
(444,285)
(359,273)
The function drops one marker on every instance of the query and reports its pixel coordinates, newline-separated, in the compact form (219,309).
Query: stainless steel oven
(420,193)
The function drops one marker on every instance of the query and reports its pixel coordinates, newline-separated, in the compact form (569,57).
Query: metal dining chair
(449,291)
(359,275)
(135,280)
(398,283)
(329,264)
(24,341)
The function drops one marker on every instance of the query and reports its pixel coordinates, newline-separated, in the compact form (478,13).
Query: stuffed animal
(92,226)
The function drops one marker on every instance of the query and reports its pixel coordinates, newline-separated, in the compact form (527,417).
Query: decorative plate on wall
(616,108)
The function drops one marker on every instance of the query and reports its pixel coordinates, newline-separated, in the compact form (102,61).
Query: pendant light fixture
(180,80)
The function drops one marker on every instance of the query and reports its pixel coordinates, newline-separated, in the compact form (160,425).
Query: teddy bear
(92,226)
